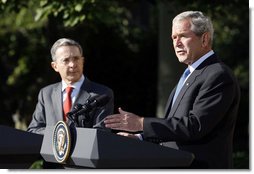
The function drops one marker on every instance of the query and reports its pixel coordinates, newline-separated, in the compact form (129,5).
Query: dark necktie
(180,84)
(67,102)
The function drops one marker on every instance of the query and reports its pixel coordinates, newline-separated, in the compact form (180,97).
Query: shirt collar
(193,66)
(76,85)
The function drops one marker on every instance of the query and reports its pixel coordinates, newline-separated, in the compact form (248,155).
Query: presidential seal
(61,142)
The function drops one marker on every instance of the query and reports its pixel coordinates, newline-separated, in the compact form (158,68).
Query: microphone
(90,104)
(71,115)
(97,101)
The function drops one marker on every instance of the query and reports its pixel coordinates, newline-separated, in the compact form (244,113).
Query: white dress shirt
(76,88)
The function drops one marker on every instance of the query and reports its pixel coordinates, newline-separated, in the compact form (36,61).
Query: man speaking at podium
(201,111)
(56,100)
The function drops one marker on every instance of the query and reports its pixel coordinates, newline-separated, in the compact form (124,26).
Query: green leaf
(78,7)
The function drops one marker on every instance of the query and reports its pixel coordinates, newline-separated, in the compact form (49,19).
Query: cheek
(187,44)
(81,65)
(60,69)
(189,48)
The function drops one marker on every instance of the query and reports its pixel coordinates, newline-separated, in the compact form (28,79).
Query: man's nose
(72,62)
(178,42)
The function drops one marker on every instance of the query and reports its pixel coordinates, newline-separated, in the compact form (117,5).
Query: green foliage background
(120,41)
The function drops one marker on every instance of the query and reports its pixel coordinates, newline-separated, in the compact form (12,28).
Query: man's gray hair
(199,22)
(64,42)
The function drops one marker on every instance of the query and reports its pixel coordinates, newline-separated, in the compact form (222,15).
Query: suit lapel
(83,95)
(189,82)
(56,97)
(170,99)
(57,101)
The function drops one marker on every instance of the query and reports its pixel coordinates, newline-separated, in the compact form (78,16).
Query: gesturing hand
(124,121)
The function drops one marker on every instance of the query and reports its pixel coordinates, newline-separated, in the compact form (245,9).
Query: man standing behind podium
(54,101)
(200,116)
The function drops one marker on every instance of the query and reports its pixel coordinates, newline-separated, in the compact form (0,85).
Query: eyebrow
(61,58)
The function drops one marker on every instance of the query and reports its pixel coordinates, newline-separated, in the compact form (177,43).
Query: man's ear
(54,66)
(205,39)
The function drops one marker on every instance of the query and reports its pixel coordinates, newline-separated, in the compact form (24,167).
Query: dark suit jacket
(203,117)
(49,109)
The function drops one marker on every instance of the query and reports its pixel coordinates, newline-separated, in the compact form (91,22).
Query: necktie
(180,84)
(67,102)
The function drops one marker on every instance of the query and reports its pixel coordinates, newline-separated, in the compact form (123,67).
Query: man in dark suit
(201,113)
(68,61)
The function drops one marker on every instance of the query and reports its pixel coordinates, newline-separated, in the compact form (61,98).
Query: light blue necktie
(180,84)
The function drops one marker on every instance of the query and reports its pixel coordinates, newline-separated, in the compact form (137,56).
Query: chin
(181,59)
(73,79)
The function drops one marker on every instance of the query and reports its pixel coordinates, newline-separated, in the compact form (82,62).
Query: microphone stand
(81,114)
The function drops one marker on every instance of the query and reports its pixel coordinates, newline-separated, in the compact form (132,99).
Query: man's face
(69,63)
(187,45)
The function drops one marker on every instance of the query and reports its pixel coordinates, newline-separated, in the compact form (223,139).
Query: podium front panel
(95,148)
(18,149)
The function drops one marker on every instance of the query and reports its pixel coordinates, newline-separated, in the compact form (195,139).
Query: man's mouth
(180,52)
(72,72)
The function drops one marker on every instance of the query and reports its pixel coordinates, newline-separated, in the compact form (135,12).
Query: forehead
(67,51)
(181,26)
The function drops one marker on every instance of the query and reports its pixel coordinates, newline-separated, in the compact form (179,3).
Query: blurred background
(127,45)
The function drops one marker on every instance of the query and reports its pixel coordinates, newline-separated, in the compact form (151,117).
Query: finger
(123,134)
(112,120)
(115,126)
(122,111)
(112,116)
(127,135)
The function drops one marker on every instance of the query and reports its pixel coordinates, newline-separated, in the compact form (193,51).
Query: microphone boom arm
(84,110)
